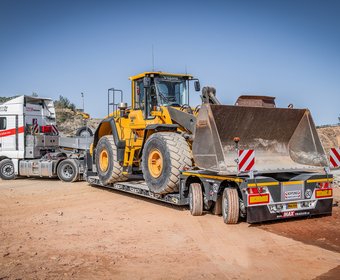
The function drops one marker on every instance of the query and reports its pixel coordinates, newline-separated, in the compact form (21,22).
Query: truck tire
(195,199)
(165,154)
(108,168)
(230,206)
(84,132)
(7,169)
(68,170)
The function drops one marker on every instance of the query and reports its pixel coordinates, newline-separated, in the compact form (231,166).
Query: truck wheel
(230,206)
(217,209)
(84,132)
(165,154)
(195,199)
(108,168)
(68,170)
(7,169)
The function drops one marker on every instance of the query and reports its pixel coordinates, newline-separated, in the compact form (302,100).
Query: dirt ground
(55,230)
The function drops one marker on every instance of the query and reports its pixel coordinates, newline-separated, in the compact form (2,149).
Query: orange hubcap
(103,160)
(155,163)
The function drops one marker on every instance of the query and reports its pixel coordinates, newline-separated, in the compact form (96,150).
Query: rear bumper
(256,214)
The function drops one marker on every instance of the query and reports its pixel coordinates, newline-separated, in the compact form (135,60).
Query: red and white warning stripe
(55,130)
(246,160)
(334,157)
(35,128)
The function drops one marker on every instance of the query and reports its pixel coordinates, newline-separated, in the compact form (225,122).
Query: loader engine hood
(283,139)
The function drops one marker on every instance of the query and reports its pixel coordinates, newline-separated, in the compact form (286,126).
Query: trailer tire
(230,206)
(84,131)
(217,209)
(7,171)
(165,154)
(195,199)
(108,168)
(68,170)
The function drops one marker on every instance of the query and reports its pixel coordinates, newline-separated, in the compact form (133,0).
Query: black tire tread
(217,209)
(117,170)
(3,162)
(80,129)
(180,157)
(196,208)
(233,205)
(76,168)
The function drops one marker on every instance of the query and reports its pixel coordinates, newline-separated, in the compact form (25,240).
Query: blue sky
(287,49)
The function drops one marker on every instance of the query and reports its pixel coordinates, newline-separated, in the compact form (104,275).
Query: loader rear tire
(108,168)
(230,206)
(165,154)
(7,169)
(68,170)
(196,199)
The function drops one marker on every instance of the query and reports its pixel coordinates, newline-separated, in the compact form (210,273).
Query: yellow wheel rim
(103,160)
(155,163)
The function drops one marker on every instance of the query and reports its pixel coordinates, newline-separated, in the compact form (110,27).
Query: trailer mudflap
(261,213)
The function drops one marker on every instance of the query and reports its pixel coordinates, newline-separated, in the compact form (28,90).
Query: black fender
(119,143)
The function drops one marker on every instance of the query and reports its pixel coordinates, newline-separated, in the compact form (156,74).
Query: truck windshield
(171,91)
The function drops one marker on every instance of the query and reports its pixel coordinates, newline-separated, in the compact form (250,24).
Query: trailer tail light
(322,193)
(256,190)
(46,129)
(323,185)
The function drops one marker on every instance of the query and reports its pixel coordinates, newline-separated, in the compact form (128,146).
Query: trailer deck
(140,188)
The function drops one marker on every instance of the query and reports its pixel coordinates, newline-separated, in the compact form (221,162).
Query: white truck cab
(30,144)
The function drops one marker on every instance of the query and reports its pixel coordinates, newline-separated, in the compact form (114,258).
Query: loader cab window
(3,123)
(139,95)
(171,91)
(145,99)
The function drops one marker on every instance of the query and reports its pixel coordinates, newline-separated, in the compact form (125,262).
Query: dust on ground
(55,230)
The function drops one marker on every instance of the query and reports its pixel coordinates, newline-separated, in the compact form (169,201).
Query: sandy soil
(54,230)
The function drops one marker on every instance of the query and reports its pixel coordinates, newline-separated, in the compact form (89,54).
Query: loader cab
(154,89)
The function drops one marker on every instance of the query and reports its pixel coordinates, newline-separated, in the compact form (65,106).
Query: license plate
(292,205)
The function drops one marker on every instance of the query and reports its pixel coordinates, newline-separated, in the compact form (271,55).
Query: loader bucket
(283,139)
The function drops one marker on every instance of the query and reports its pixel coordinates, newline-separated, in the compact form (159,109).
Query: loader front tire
(165,154)
(7,169)
(108,168)
(230,206)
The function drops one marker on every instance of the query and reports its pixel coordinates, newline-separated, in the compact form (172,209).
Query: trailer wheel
(68,170)
(84,131)
(230,206)
(165,154)
(108,168)
(7,169)
(195,199)
(217,209)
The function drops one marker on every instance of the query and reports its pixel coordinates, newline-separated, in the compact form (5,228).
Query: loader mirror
(146,82)
(197,86)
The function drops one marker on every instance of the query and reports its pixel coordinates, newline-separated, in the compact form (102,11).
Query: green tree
(64,102)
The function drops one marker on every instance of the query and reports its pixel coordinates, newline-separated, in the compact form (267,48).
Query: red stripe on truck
(12,131)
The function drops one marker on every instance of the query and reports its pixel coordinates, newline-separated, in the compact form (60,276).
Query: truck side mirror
(197,86)
(146,82)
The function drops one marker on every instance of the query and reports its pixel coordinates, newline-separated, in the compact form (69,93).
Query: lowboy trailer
(258,199)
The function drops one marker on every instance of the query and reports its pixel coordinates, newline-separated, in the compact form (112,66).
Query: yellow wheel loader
(248,160)
(152,136)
